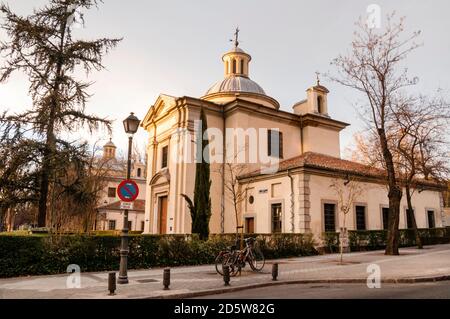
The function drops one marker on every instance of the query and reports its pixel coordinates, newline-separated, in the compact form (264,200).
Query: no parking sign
(128,190)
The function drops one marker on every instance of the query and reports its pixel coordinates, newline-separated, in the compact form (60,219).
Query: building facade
(283,182)
(109,214)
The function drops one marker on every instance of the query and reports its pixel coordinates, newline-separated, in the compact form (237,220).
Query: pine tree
(41,46)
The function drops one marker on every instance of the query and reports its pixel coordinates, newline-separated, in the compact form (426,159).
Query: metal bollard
(166,278)
(112,283)
(274,272)
(226,275)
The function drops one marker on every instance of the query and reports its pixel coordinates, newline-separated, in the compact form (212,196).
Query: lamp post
(131,125)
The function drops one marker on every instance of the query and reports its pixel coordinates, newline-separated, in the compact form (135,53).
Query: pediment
(161,177)
(162,104)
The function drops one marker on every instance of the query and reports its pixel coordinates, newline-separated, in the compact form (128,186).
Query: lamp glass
(131,124)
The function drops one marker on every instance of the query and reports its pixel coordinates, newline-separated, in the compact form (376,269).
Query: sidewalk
(413,265)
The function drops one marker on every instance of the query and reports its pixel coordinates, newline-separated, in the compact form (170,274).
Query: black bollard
(166,278)
(274,272)
(112,283)
(226,275)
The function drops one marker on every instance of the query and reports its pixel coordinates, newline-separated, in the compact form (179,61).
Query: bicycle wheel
(221,259)
(226,259)
(256,259)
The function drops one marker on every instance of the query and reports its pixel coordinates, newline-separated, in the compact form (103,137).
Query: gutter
(222,204)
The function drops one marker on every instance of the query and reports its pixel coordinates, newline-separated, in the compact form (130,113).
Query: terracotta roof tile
(321,161)
(330,163)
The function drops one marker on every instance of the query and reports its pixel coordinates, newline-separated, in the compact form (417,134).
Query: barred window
(360,217)
(329,217)
(111,192)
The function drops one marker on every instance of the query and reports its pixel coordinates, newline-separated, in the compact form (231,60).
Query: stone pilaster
(304,203)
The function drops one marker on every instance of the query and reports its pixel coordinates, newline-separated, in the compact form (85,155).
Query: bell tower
(316,101)
(109,150)
(236,61)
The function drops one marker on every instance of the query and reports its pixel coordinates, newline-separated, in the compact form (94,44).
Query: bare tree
(235,190)
(347,192)
(373,68)
(418,140)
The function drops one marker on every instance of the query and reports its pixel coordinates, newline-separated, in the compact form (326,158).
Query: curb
(208,292)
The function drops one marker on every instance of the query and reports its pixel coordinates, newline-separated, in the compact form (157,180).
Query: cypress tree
(202,199)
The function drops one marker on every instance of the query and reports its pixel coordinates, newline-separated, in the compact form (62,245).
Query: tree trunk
(392,244)
(50,144)
(413,217)
(341,242)
(394,195)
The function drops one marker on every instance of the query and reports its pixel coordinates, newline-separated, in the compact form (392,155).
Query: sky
(175,47)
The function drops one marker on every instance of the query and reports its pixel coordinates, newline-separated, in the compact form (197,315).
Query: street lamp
(131,125)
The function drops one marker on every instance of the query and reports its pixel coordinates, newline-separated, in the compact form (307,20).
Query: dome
(110,144)
(235,83)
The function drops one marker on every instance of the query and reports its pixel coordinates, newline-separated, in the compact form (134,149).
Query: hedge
(376,239)
(44,255)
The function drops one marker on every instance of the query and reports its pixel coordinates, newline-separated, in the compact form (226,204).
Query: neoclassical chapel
(296,197)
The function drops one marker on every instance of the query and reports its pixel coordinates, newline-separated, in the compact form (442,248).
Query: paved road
(433,261)
(436,290)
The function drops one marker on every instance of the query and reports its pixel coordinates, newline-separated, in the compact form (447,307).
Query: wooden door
(250,225)
(163,215)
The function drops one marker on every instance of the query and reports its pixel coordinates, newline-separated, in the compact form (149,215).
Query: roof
(334,164)
(316,160)
(139,206)
(110,144)
(236,83)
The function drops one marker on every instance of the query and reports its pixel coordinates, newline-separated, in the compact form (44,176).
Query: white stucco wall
(136,219)
(373,197)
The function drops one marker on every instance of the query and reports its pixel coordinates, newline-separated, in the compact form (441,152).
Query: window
(409,219)
(234,65)
(251,199)
(139,172)
(329,217)
(360,217)
(431,221)
(142,225)
(164,156)
(319,105)
(111,224)
(242,66)
(111,192)
(275,143)
(130,225)
(385,212)
(276,218)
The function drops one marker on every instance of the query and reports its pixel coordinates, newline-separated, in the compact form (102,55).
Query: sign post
(127,191)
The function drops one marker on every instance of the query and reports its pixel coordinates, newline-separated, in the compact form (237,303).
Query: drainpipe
(292,200)
(301,134)
(222,204)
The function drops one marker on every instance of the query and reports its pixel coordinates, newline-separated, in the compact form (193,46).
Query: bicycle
(236,259)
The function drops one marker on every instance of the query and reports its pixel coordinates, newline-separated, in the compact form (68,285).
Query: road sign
(126,205)
(128,190)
